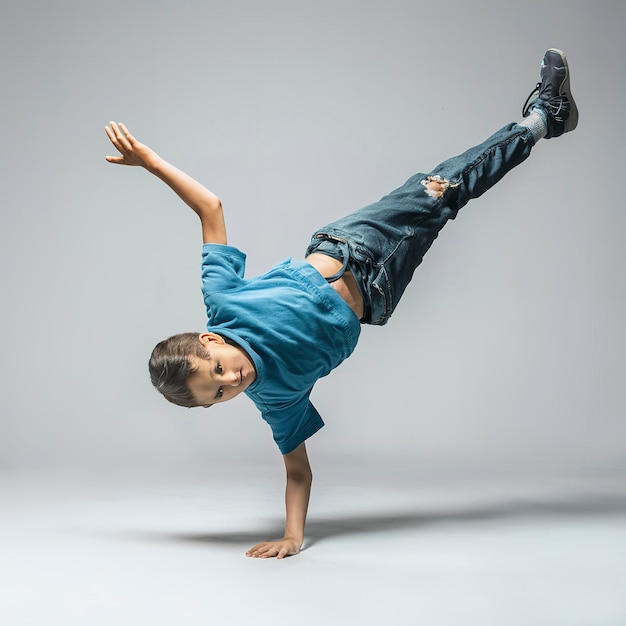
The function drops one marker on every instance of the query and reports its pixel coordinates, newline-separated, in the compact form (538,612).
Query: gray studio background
(505,355)
(472,468)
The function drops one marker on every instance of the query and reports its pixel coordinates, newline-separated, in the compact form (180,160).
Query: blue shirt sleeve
(293,425)
(223,268)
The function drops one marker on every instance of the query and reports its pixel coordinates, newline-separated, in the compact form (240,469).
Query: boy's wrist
(296,539)
(293,534)
(154,163)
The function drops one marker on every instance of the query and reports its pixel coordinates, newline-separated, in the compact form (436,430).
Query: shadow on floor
(319,528)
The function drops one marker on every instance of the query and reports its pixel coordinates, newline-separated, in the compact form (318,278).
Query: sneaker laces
(554,106)
(528,104)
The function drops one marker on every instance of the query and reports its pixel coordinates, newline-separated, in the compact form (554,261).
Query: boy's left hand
(278,549)
(132,151)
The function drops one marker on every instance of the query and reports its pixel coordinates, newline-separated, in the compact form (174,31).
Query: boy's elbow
(211,210)
(300,474)
(303,480)
(214,205)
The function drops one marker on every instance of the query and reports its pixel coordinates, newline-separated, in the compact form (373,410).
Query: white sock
(536,123)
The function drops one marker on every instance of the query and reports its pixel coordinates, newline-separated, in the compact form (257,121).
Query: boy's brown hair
(170,367)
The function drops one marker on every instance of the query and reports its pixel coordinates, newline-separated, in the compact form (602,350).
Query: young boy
(272,337)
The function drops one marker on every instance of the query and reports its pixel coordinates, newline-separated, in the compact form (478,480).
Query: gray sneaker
(552,95)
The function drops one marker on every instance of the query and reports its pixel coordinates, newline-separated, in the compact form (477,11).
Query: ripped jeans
(383,243)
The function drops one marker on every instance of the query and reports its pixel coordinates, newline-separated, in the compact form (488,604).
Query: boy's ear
(208,338)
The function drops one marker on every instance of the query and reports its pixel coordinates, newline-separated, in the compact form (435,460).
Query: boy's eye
(220,393)
(218,368)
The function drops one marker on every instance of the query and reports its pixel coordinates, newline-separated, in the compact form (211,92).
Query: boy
(274,336)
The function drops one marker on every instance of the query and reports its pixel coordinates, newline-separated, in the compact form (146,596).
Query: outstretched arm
(299,479)
(204,202)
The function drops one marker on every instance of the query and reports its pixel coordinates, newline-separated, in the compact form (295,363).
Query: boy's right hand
(133,152)
(279,549)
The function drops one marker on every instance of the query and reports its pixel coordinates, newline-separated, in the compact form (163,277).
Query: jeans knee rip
(435,186)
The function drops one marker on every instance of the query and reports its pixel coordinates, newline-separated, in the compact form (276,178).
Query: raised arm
(204,202)
(297,493)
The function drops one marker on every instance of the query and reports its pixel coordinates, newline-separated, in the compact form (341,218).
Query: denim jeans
(384,242)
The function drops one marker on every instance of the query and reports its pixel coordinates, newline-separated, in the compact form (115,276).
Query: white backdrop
(507,351)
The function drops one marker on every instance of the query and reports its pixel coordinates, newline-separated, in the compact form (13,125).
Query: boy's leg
(383,243)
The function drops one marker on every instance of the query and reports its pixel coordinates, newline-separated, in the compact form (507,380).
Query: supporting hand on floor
(279,549)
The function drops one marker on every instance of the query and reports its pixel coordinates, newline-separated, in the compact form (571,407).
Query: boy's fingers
(113,137)
(259,550)
(254,548)
(109,133)
(128,136)
(115,159)
(125,135)
(120,136)
(268,550)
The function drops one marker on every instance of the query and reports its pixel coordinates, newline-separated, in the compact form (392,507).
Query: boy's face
(224,374)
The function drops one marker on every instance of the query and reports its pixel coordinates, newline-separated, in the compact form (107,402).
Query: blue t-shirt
(291,322)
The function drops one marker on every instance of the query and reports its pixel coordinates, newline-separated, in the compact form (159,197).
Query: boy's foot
(552,95)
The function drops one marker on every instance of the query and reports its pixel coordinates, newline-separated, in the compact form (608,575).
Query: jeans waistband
(339,249)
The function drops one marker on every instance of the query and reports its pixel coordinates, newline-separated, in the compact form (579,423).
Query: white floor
(387,551)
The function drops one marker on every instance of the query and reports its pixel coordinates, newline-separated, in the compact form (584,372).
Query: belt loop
(346,258)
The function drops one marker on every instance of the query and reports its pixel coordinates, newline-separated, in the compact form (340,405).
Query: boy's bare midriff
(345,286)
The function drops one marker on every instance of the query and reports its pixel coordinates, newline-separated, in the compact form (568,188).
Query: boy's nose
(232,379)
